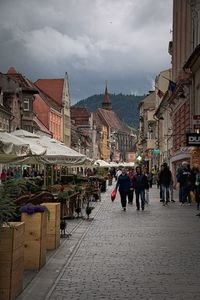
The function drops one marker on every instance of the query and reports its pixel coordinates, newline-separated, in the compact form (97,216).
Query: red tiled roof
(50,102)
(111,120)
(23,82)
(97,120)
(41,125)
(52,87)
(79,112)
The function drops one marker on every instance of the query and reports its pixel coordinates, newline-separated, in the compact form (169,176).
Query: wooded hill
(125,106)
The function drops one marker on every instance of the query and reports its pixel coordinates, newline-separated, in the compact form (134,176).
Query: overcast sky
(122,41)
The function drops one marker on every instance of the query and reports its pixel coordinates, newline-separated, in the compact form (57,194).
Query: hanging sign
(193,139)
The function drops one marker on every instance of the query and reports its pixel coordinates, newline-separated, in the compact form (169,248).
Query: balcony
(151,143)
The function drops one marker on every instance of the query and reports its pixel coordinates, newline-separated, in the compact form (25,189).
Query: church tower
(106,104)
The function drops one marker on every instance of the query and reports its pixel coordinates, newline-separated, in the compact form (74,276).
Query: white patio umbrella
(114,164)
(129,164)
(55,151)
(12,148)
(101,163)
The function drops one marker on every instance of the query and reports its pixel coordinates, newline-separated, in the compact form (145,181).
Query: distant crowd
(138,181)
(16,173)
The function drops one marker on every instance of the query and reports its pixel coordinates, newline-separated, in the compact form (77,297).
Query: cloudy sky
(122,41)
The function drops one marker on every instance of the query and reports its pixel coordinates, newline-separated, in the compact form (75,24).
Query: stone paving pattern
(150,254)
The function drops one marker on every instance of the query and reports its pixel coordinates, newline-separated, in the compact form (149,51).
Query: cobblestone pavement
(150,254)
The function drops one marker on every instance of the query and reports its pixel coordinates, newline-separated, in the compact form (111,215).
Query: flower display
(30,208)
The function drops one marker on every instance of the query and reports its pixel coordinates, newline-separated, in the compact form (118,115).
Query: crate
(11,260)
(35,240)
(53,225)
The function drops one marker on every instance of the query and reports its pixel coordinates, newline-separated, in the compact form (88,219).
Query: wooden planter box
(53,225)
(11,260)
(34,240)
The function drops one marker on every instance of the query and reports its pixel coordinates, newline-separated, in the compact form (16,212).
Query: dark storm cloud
(124,42)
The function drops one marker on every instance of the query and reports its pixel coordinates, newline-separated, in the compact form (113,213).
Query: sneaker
(124,209)
(173,200)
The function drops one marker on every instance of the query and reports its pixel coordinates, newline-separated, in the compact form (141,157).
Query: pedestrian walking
(150,178)
(158,182)
(140,183)
(131,189)
(146,173)
(194,180)
(123,184)
(197,188)
(165,179)
(184,179)
(171,188)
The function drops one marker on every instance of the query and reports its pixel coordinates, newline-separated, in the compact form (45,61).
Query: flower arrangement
(30,208)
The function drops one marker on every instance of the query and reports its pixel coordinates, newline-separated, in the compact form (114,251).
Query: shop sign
(193,139)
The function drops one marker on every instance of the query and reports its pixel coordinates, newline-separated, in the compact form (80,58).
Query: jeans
(165,192)
(140,194)
(184,193)
(130,196)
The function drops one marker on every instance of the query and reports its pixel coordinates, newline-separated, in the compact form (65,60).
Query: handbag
(113,194)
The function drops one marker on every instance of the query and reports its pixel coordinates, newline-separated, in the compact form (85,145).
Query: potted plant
(11,249)
(35,219)
(53,225)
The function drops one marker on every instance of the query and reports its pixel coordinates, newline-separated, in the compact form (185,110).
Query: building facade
(58,91)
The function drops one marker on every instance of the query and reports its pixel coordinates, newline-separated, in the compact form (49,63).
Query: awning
(55,151)
(12,148)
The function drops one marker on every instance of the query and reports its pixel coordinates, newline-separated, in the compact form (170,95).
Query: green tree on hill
(125,106)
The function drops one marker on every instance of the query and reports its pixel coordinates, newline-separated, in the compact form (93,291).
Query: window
(26,104)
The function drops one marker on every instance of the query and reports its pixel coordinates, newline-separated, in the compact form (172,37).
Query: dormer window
(26,104)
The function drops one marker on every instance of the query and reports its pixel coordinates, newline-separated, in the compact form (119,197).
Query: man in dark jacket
(165,179)
(140,184)
(123,183)
(184,178)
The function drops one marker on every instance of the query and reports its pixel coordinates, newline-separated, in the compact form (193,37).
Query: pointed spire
(106,104)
